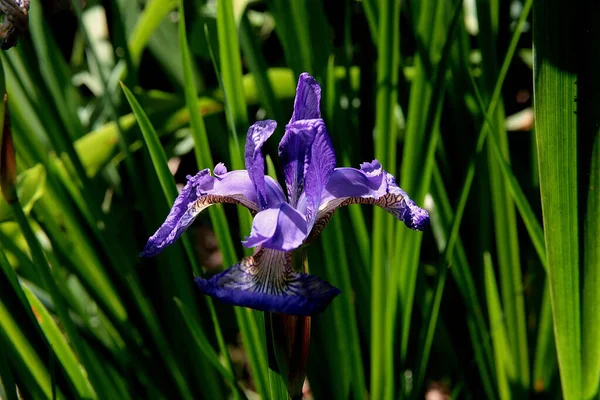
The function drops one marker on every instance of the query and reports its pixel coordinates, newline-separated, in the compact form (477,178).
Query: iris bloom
(315,189)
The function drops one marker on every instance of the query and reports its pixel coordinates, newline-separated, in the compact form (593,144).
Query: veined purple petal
(267,282)
(204,190)
(319,165)
(279,228)
(257,135)
(294,151)
(307,104)
(369,185)
(161,238)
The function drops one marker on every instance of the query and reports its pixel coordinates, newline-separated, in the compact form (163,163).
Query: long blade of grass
(441,220)
(481,137)
(555,94)
(505,367)
(544,366)
(382,378)
(231,69)
(160,163)
(153,15)
(32,365)
(588,104)
(8,388)
(203,158)
(251,323)
(60,346)
(429,331)
(503,208)
(338,271)
(533,226)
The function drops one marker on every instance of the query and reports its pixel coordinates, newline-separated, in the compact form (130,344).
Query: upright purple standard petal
(267,282)
(257,135)
(307,104)
(320,163)
(294,152)
(279,228)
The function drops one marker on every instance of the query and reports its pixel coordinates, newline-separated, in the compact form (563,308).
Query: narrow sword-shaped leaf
(60,346)
(382,378)
(555,96)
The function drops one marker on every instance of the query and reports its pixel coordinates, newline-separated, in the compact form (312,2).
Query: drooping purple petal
(307,104)
(157,242)
(369,185)
(278,228)
(267,282)
(320,164)
(257,135)
(204,190)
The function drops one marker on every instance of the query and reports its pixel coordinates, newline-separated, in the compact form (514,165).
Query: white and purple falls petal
(204,190)
(267,282)
(370,184)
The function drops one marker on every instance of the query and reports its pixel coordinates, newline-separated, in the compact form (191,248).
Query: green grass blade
(204,158)
(505,367)
(441,220)
(588,104)
(382,372)
(251,323)
(205,346)
(60,346)
(149,20)
(258,66)
(231,67)
(8,388)
(502,205)
(533,226)
(555,96)
(544,366)
(291,27)
(429,331)
(34,368)
(338,272)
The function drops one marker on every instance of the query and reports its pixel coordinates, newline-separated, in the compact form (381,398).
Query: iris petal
(369,185)
(202,191)
(307,104)
(257,135)
(267,282)
(294,152)
(279,228)
(320,164)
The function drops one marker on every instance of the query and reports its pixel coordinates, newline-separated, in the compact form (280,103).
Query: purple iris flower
(315,189)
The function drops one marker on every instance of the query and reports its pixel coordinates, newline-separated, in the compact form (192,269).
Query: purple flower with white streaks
(315,189)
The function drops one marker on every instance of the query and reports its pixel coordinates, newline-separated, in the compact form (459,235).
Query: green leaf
(555,99)
(63,351)
(505,367)
(382,371)
(36,371)
(30,187)
(544,366)
(149,20)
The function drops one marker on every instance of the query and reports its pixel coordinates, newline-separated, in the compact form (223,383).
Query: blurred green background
(499,299)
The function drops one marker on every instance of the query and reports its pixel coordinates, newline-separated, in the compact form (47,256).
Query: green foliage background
(499,299)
